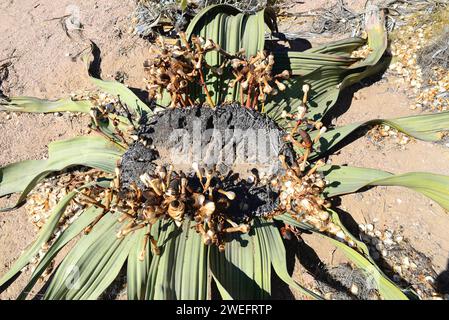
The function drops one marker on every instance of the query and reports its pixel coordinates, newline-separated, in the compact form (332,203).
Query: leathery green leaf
(91,151)
(375,277)
(116,88)
(92,265)
(137,270)
(344,180)
(387,289)
(272,242)
(125,95)
(30,104)
(243,270)
(42,238)
(427,127)
(66,235)
(180,271)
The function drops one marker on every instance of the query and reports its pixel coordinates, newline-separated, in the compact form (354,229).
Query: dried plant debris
(407,267)
(422,36)
(381,133)
(44,198)
(435,55)
(152,18)
(337,18)
(345,282)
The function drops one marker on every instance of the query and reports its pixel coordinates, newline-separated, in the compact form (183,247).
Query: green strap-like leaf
(387,289)
(91,151)
(375,277)
(116,88)
(124,93)
(137,270)
(30,104)
(181,271)
(243,270)
(344,180)
(92,265)
(302,63)
(427,127)
(43,237)
(272,242)
(342,47)
(67,235)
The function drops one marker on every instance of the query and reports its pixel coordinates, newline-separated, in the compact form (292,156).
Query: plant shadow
(442,281)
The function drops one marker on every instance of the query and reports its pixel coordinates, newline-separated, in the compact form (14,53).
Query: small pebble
(405,262)
(397,269)
(369,227)
(354,289)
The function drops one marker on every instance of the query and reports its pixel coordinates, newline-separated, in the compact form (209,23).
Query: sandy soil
(42,66)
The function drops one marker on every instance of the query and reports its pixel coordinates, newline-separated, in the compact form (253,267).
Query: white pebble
(340,234)
(354,289)
(362,227)
(369,227)
(406,262)
(397,269)
(398,239)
